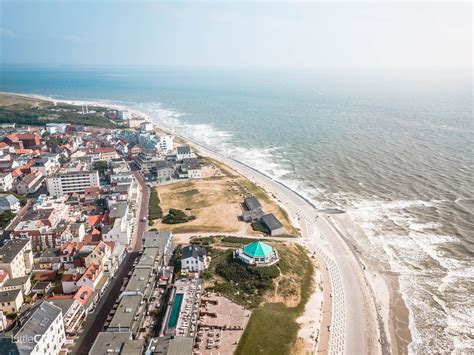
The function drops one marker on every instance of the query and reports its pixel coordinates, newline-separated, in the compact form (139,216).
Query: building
(6,181)
(55,128)
(47,165)
(257,254)
(253,209)
(93,278)
(146,126)
(163,170)
(30,183)
(163,240)
(73,178)
(190,169)
(273,224)
(73,313)
(124,115)
(43,332)
(129,315)
(118,343)
(9,203)
(11,300)
(193,258)
(16,257)
(120,229)
(184,153)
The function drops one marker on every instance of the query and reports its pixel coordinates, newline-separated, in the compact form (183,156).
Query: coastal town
(112,241)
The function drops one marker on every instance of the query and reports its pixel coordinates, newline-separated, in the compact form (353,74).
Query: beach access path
(354,327)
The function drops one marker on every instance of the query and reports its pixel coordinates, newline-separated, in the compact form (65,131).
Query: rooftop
(252,203)
(118,209)
(109,342)
(271,222)
(9,296)
(124,316)
(41,319)
(258,250)
(11,249)
(192,250)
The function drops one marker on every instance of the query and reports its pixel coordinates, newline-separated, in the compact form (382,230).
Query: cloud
(6,33)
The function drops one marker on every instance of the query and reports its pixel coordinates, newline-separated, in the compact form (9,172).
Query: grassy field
(36,112)
(277,298)
(259,337)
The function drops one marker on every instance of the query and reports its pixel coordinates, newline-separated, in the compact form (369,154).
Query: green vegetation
(154,208)
(243,284)
(5,219)
(176,216)
(260,227)
(278,294)
(101,166)
(258,337)
(34,116)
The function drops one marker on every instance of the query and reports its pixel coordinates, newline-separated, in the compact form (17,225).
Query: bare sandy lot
(216,202)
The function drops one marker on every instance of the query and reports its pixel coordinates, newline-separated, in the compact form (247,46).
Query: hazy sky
(238,34)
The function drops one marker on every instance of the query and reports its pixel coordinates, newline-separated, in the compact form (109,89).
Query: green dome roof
(258,250)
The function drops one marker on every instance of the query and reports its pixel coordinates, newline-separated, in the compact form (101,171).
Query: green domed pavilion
(257,254)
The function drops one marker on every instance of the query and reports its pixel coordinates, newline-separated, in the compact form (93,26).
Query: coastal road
(95,321)
(354,327)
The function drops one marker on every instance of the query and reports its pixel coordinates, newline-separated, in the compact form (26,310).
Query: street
(94,322)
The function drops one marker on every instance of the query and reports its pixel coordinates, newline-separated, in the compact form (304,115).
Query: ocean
(394,151)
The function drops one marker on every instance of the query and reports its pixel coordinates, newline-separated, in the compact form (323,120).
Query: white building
(184,153)
(54,128)
(6,181)
(9,203)
(146,126)
(16,257)
(43,333)
(120,231)
(74,178)
(124,115)
(193,258)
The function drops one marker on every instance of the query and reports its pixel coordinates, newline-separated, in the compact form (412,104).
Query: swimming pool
(173,320)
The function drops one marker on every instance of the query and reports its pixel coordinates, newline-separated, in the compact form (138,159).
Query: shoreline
(352,297)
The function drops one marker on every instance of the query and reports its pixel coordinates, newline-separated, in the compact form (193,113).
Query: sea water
(394,151)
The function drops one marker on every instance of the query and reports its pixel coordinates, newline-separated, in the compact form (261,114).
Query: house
(18,283)
(49,259)
(193,258)
(93,278)
(184,153)
(86,297)
(11,301)
(253,209)
(107,153)
(45,326)
(30,183)
(42,287)
(273,224)
(70,279)
(9,203)
(120,228)
(68,252)
(190,169)
(163,170)
(6,181)
(16,257)
(257,254)
(98,254)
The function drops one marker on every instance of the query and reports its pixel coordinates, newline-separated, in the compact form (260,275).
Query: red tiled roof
(83,294)
(94,220)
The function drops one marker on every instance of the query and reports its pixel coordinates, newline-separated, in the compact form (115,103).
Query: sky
(360,35)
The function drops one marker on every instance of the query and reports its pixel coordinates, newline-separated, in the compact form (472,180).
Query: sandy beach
(363,311)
